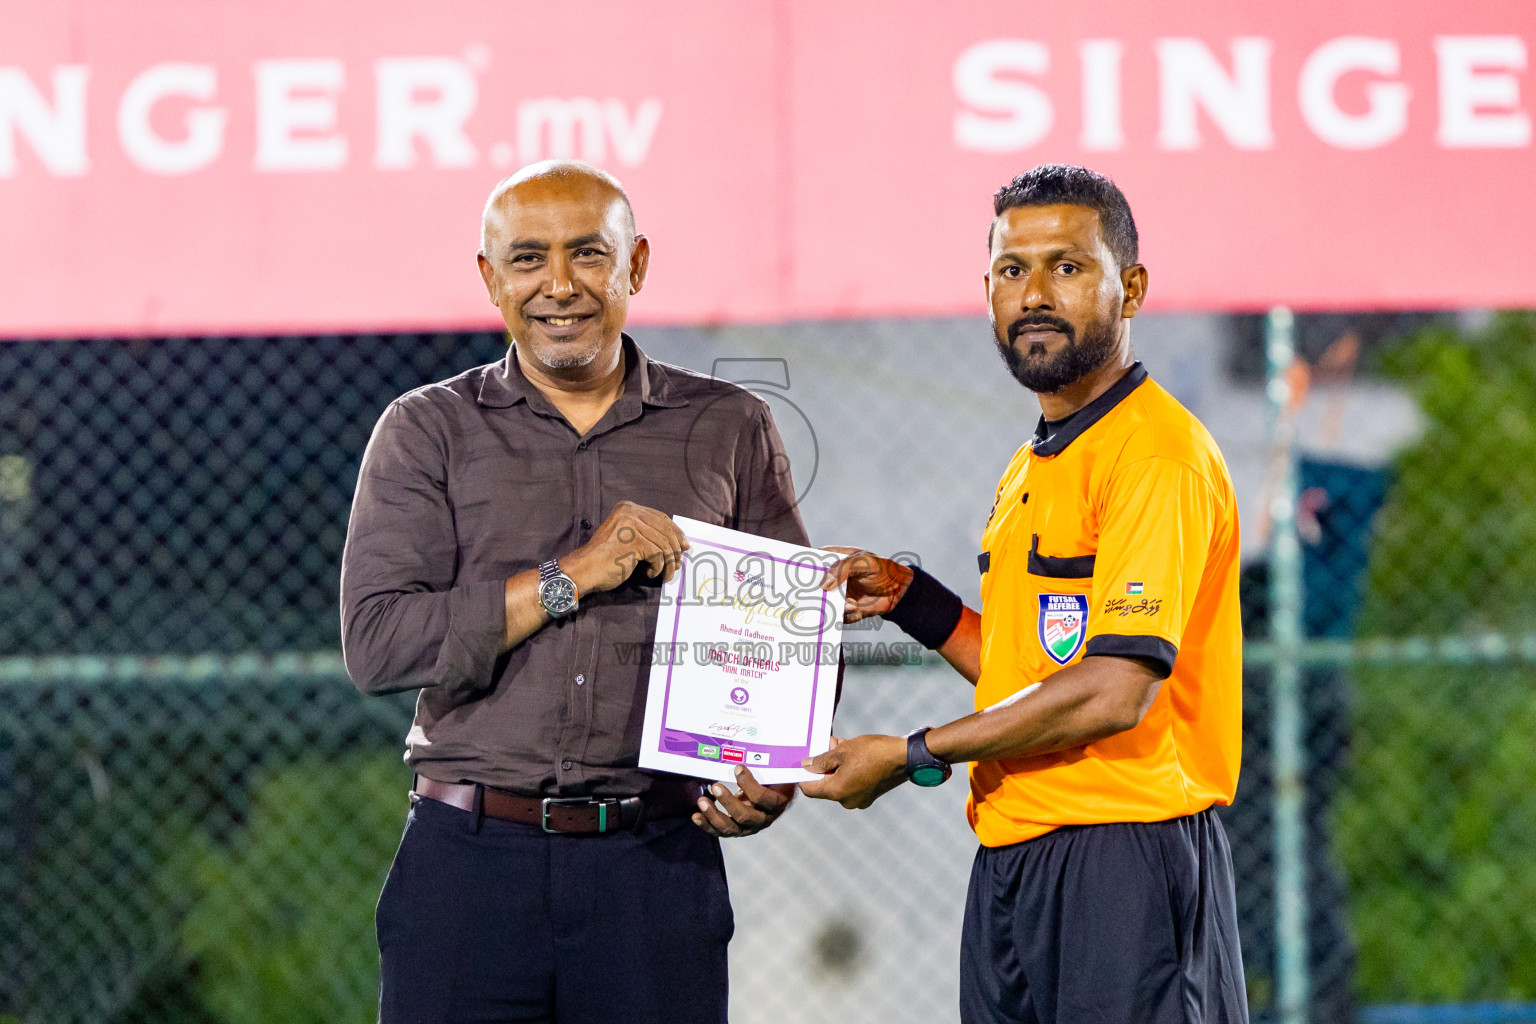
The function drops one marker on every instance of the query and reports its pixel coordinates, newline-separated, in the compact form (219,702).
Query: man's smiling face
(561,260)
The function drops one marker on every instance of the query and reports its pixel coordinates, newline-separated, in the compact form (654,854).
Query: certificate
(744,669)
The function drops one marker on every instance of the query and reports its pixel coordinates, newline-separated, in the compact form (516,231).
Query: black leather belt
(576,816)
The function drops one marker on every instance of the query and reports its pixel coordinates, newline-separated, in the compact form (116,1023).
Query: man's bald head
(560,258)
(552,175)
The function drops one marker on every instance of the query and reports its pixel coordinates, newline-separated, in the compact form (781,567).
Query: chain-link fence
(197,811)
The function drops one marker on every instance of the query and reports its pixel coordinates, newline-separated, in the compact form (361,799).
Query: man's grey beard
(563,358)
(1045,375)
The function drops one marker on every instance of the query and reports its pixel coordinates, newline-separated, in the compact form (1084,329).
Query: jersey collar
(1053,438)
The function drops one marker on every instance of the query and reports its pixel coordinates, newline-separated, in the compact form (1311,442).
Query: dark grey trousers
(1105,924)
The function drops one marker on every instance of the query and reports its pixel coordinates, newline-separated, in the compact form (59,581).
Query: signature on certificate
(731,730)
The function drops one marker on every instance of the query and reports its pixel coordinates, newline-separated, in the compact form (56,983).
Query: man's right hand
(630,535)
(875,584)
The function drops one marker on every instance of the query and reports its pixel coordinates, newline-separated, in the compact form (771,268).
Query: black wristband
(928,612)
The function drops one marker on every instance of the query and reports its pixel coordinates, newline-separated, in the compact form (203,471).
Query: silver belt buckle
(544,812)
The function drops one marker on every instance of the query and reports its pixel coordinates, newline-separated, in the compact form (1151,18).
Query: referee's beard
(1044,373)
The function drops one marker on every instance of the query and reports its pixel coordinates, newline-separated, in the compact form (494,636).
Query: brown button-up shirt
(480,477)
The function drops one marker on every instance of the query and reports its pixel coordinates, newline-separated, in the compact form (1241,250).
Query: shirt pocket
(1054,567)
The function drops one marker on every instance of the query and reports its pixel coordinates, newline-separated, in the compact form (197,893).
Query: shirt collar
(1053,438)
(645,383)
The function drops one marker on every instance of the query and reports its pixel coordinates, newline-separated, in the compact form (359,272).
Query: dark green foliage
(281,920)
(1436,822)
(1455,547)
(159,841)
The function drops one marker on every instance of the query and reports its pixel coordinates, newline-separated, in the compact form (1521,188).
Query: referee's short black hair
(1050,184)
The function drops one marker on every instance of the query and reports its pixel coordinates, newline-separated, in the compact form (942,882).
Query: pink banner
(180,166)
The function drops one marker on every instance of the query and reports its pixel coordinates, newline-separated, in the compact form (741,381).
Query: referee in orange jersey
(1107,656)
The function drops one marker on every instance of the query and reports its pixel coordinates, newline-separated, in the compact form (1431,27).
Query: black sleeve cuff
(928,612)
(1154,649)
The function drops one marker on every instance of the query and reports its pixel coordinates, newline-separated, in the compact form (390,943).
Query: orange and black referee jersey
(1114,532)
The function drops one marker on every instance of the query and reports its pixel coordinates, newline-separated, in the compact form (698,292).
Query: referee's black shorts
(1105,924)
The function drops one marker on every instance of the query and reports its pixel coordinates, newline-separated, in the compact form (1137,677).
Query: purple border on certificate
(686,744)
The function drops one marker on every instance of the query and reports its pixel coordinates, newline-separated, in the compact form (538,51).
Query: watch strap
(918,754)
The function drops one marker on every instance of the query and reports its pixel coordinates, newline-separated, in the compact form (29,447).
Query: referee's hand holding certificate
(860,770)
(875,584)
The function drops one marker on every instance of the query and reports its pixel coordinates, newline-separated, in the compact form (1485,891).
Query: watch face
(928,775)
(558,595)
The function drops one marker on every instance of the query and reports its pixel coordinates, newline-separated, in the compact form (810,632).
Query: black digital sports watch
(923,769)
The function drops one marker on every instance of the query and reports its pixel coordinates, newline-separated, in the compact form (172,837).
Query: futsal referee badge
(1063,625)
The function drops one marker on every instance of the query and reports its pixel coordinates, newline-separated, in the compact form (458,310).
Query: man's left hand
(858,771)
(748,809)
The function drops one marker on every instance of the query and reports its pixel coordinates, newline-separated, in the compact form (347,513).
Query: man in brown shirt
(508,537)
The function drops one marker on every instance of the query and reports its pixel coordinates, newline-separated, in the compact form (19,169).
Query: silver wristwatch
(557,591)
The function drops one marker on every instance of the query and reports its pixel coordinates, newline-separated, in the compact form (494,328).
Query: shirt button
(582,446)
(567,765)
(586,524)
(580,679)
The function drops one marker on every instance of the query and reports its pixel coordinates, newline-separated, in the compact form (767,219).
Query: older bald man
(508,536)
